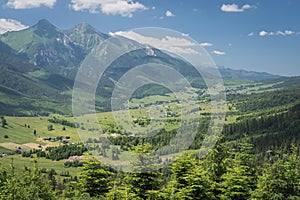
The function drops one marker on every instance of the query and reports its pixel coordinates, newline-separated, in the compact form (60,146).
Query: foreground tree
(28,185)
(239,179)
(190,180)
(145,179)
(95,179)
(281,179)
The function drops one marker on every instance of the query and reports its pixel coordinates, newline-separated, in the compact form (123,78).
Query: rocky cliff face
(86,36)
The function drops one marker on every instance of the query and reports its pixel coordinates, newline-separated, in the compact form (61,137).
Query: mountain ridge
(44,60)
(246,74)
(78,42)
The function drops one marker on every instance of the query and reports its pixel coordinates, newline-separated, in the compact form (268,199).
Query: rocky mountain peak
(45,29)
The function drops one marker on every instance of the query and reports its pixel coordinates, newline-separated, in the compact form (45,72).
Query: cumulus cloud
(177,45)
(169,14)
(263,33)
(277,33)
(235,8)
(219,53)
(10,25)
(206,44)
(125,8)
(22,4)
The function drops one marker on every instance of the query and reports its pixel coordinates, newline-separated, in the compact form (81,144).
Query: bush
(50,127)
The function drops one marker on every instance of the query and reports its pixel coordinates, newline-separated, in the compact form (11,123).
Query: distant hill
(246,75)
(284,82)
(22,92)
(10,59)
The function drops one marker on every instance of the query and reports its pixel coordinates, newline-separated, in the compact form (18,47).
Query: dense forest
(228,172)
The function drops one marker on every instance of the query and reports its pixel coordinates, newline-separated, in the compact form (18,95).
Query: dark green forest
(228,172)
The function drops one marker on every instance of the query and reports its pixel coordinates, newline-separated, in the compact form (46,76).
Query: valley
(163,145)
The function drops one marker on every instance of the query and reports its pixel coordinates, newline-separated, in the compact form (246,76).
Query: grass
(20,162)
(231,83)
(2,150)
(18,133)
(152,99)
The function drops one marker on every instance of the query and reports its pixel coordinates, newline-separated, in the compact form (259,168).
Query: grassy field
(2,150)
(20,163)
(20,130)
(21,136)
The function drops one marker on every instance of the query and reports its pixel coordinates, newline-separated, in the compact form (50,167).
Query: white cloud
(277,33)
(22,4)
(169,14)
(122,7)
(287,32)
(263,33)
(206,44)
(219,53)
(235,8)
(172,44)
(125,8)
(92,6)
(251,34)
(10,25)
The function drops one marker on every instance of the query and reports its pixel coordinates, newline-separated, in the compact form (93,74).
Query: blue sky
(256,35)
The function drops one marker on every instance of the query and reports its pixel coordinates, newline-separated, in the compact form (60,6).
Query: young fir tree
(145,179)
(190,180)
(280,179)
(238,181)
(95,179)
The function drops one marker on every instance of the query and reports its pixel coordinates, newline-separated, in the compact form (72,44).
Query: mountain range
(38,66)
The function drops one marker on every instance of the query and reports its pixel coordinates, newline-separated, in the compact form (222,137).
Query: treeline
(57,153)
(249,103)
(128,143)
(75,163)
(64,122)
(162,138)
(229,171)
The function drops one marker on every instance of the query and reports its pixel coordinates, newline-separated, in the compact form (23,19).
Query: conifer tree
(95,178)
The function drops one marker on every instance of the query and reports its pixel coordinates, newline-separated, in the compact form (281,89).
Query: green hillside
(45,46)
(39,64)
